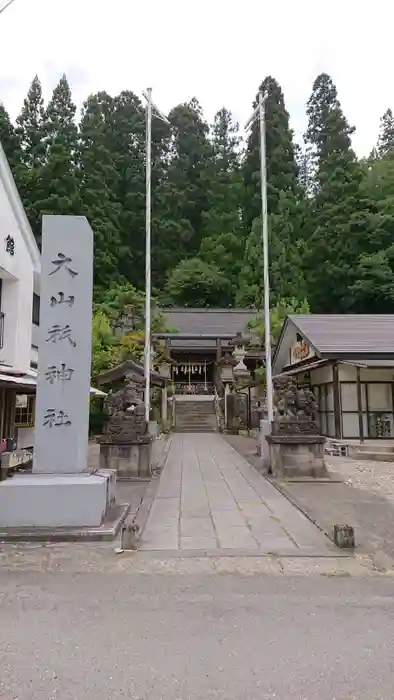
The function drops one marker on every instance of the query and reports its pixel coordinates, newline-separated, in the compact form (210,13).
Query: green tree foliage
(126,143)
(222,242)
(330,221)
(278,315)
(104,343)
(58,176)
(338,215)
(183,197)
(386,134)
(29,128)
(197,283)
(283,196)
(282,167)
(9,139)
(286,253)
(98,180)
(118,328)
(373,288)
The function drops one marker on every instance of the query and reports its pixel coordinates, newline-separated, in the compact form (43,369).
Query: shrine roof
(216,323)
(130,367)
(340,335)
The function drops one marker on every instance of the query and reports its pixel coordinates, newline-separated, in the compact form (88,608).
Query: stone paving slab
(210,499)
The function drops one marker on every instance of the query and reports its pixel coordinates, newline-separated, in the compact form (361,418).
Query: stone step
(195,408)
(372,456)
(194,429)
(197,424)
(372,447)
(194,415)
(194,421)
(189,419)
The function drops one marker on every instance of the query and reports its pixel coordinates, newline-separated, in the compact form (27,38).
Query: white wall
(379,396)
(284,355)
(25,438)
(17,292)
(321,375)
(17,273)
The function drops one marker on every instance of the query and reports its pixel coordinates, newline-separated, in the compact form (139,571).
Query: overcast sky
(216,50)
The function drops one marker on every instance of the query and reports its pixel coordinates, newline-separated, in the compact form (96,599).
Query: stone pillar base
(130,460)
(57,500)
(293,456)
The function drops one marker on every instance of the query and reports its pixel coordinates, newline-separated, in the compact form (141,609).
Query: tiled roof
(352,334)
(216,322)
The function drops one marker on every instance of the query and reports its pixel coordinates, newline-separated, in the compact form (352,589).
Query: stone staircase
(196,416)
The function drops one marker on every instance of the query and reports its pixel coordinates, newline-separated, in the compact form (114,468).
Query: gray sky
(216,50)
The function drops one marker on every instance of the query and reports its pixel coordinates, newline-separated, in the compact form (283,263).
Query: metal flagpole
(264,214)
(151,111)
(6,5)
(147,349)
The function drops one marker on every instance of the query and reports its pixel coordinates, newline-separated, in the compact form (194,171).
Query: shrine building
(198,342)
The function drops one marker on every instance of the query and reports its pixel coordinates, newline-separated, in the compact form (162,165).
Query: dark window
(36,310)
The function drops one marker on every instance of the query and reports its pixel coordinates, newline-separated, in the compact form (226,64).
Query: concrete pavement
(79,621)
(95,636)
(210,499)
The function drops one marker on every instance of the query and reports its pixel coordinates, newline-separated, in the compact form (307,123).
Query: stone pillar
(226,393)
(63,390)
(164,404)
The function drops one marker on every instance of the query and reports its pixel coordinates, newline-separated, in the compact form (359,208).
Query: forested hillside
(331,216)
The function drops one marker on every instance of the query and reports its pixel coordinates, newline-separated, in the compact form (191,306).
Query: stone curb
(280,486)
(105,533)
(234,553)
(143,511)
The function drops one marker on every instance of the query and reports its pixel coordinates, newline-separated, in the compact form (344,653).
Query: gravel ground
(376,477)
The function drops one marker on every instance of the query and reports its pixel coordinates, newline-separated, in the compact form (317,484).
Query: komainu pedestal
(296,448)
(126,445)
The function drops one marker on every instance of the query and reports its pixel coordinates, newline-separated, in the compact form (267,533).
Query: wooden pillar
(360,407)
(6,424)
(337,402)
(13,411)
(2,411)
(218,349)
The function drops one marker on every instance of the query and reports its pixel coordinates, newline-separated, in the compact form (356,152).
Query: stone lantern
(164,370)
(240,343)
(226,367)
(163,364)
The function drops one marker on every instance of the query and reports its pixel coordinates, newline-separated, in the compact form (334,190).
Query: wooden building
(348,361)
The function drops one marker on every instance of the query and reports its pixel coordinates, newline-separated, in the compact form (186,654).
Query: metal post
(264,213)
(147,349)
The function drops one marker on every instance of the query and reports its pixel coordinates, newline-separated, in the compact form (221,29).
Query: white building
(19,279)
(20,270)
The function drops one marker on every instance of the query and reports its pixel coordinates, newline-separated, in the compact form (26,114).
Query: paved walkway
(209,498)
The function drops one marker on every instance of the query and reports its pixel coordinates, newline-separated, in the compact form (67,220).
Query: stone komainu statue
(126,414)
(291,402)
